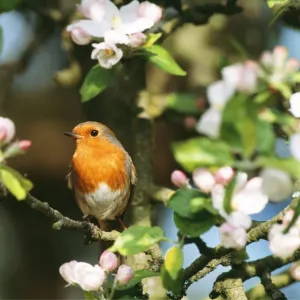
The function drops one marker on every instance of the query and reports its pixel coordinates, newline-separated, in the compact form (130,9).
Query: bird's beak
(73,135)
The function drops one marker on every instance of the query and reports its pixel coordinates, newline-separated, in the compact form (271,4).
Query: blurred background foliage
(32,54)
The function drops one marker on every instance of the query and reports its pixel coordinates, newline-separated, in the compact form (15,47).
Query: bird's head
(92,134)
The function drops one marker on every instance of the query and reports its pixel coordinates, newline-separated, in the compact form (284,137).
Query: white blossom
(204,179)
(277,184)
(295,105)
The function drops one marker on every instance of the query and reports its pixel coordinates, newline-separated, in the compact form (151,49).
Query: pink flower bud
(108,261)
(280,54)
(204,179)
(267,59)
(295,270)
(7,130)
(66,271)
(150,11)
(178,178)
(190,122)
(124,274)
(224,175)
(24,144)
(79,36)
(137,39)
(92,280)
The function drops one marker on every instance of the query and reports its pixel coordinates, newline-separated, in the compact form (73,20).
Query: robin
(101,173)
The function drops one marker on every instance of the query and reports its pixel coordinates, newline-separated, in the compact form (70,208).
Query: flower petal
(210,123)
(138,25)
(295,145)
(116,37)
(129,12)
(295,105)
(218,93)
(93,28)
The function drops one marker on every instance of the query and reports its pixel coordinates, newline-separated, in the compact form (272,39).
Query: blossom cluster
(114,29)
(7,134)
(94,278)
(274,68)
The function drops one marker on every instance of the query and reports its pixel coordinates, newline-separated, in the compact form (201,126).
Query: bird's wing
(68,177)
(133,179)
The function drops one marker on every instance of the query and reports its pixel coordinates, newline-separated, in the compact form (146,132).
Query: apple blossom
(295,105)
(7,130)
(295,270)
(283,244)
(108,261)
(224,175)
(107,17)
(107,54)
(150,11)
(17,148)
(276,184)
(89,278)
(124,274)
(232,236)
(178,178)
(218,94)
(242,77)
(204,179)
(79,36)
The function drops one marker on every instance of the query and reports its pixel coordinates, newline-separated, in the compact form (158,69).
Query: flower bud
(108,261)
(17,148)
(267,59)
(124,274)
(292,65)
(280,54)
(190,122)
(178,178)
(137,39)
(276,184)
(204,179)
(224,175)
(150,11)
(79,36)
(7,130)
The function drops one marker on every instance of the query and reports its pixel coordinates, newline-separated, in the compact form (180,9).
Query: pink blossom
(7,130)
(66,271)
(79,36)
(124,274)
(224,175)
(204,180)
(150,11)
(283,244)
(24,144)
(242,77)
(178,178)
(108,261)
(232,236)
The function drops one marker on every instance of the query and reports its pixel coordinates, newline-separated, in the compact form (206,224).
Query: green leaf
(6,5)
(139,275)
(195,228)
(180,201)
(173,261)
(262,97)
(296,77)
(151,39)
(289,165)
(96,81)
(170,284)
(15,182)
(265,137)
(283,88)
(199,204)
(185,103)
(160,57)
(201,152)
(137,239)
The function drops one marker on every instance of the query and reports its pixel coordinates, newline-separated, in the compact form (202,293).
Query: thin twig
(271,289)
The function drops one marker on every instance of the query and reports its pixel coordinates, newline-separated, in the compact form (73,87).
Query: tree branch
(270,288)
(280,280)
(62,222)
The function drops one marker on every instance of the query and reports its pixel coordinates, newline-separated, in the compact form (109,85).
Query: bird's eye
(94,133)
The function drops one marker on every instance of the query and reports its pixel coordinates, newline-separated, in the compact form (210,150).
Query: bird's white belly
(104,203)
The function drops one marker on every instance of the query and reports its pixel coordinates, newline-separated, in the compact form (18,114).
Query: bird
(101,173)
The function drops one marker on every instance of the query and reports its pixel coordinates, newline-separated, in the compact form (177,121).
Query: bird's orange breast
(99,162)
